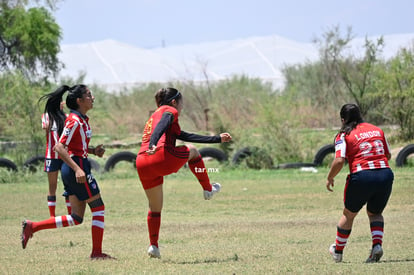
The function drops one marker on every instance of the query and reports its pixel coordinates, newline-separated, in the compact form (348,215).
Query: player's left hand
(99,150)
(225,137)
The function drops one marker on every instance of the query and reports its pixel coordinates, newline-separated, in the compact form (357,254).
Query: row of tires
(214,153)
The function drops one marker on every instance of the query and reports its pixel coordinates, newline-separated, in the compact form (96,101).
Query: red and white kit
(365,148)
(52,137)
(78,133)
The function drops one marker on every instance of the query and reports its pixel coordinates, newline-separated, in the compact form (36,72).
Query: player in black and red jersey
(370,180)
(159,156)
(80,184)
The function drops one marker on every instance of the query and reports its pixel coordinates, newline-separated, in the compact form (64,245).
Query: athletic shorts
(83,191)
(152,168)
(52,165)
(371,187)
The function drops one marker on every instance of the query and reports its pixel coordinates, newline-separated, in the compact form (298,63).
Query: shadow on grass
(234,258)
(383,261)
(396,261)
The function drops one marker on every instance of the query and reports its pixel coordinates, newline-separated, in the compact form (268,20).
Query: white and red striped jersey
(365,148)
(76,134)
(52,137)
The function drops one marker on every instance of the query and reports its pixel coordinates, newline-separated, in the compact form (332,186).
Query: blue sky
(150,23)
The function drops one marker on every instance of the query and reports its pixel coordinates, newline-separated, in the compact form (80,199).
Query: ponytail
(52,108)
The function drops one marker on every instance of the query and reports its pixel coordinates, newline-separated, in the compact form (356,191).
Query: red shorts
(152,168)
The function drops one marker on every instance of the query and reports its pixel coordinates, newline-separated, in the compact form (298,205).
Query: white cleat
(376,254)
(336,256)
(154,252)
(216,187)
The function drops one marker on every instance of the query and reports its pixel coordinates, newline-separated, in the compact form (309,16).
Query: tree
(356,73)
(20,114)
(30,40)
(397,85)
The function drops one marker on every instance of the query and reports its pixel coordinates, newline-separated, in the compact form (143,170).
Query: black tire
(214,153)
(33,163)
(264,161)
(241,155)
(322,153)
(402,156)
(8,164)
(117,157)
(295,165)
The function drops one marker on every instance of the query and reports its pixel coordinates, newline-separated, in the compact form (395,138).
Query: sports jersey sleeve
(340,146)
(68,132)
(162,126)
(190,137)
(45,120)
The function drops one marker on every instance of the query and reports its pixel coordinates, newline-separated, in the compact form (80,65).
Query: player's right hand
(225,137)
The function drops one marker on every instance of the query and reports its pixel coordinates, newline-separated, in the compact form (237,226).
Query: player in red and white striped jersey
(53,127)
(52,136)
(370,181)
(81,186)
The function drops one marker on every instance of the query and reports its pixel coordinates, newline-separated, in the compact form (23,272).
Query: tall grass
(263,222)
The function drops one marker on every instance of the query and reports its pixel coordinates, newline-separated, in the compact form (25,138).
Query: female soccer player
(159,156)
(81,186)
(53,121)
(369,182)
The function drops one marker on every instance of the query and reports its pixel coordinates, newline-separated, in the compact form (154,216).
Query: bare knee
(193,152)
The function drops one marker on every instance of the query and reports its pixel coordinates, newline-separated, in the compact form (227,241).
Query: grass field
(263,222)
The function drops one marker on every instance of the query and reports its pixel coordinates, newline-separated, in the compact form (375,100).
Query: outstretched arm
(190,137)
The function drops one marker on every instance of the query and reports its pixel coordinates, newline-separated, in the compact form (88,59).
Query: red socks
(377,232)
(54,222)
(68,205)
(98,224)
(199,170)
(51,203)
(154,223)
(342,236)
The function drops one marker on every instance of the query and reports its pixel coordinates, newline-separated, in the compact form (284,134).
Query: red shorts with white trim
(152,168)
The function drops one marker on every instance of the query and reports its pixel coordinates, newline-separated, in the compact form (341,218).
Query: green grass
(263,222)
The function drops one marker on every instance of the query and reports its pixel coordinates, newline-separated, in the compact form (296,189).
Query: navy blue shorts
(371,187)
(83,191)
(52,165)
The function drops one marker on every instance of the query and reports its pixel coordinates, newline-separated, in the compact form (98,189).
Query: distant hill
(116,65)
